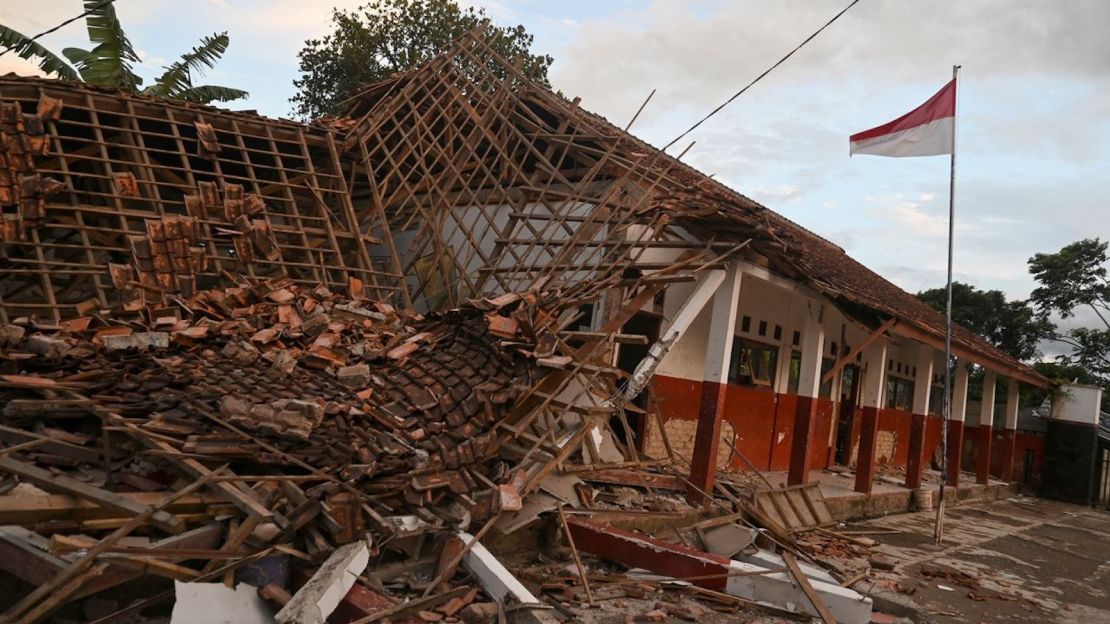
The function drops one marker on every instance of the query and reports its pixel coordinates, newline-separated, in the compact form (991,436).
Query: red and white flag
(925,131)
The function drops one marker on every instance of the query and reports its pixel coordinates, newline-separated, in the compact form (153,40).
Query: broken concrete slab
(495,578)
(562,486)
(137,340)
(738,578)
(215,603)
(846,605)
(502,586)
(535,505)
(729,539)
(314,602)
(769,559)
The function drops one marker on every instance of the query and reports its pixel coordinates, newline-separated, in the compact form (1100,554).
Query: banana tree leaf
(48,62)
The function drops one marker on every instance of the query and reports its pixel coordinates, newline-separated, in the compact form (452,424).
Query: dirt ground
(1015,560)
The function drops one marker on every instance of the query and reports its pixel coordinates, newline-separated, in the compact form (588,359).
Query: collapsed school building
(420,312)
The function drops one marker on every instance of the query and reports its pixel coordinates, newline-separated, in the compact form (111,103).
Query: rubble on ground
(345,459)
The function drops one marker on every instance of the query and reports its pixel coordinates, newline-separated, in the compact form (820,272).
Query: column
(957,411)
(1009,433)
(809,382)
(718,359)
(871,395)
(984,433)
(922,387)
(791,323)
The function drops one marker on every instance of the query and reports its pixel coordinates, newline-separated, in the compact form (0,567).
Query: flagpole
(938,531)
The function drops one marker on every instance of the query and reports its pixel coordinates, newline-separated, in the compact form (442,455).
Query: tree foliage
(1015,327)
(1071,279)
(111,60)
(384,37)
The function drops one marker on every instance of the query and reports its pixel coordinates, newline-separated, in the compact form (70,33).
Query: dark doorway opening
(1027,467)
(1104,480)
(629,356)
(846,416)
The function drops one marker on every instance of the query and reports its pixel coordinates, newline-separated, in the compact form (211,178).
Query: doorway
(1104,487)
(629,356)
(846,416)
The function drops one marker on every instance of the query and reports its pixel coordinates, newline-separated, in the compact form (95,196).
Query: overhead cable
(761,76)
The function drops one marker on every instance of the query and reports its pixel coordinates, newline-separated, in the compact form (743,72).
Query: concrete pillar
(718,359)
(958,411)
(791,323)
(1009,432)
(871,395)
(922,387)
(809,382)
(984,432)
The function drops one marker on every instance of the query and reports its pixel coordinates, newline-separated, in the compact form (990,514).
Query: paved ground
(1015,560)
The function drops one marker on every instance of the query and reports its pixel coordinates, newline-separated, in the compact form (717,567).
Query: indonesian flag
(925,131)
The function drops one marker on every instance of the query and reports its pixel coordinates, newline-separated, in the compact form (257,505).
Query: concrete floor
(1014,560)
(844,483)
(888,494)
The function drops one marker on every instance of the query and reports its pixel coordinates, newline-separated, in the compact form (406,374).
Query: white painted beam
(313,603)
(846,605)
(707,285)
(959,391)
(986,405)
(722,327)
(813,351)
(873,369)
(216,603)
(1013,396)
(498,582)
(923,380)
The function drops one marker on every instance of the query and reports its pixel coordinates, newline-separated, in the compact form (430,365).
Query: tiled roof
(822,264)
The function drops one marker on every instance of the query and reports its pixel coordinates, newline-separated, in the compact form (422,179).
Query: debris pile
(280,438)
(314,419)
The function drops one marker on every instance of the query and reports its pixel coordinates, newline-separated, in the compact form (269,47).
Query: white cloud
(776,195)
(1035,118)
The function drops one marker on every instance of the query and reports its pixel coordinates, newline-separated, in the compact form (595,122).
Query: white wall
(484,226)
(760,301)
(1078,404)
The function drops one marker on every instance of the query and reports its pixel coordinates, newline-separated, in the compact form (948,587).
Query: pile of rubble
(261,445)
(317,420)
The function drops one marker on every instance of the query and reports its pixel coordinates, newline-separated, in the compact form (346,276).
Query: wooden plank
(816,501)
(797,502)
(242,499)
(577,559)
(639,478)
(24,555)
(856,350)
(57,482)
(25,509)
(789,519)
(63,584)
(807,589)
(12,435)
(764,504)
(412,606)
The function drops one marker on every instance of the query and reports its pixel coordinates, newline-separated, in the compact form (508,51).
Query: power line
(760,77)
(65,23)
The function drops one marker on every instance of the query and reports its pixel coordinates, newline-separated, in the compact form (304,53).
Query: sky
(1034,104)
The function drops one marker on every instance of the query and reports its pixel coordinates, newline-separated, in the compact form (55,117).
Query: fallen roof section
(114,198)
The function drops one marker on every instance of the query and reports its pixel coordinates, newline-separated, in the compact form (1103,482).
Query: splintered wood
(284,338)
(91,178)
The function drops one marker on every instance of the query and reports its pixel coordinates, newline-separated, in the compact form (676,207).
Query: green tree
(384,37)
(1015,326)
(1071,279)
(110,62)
